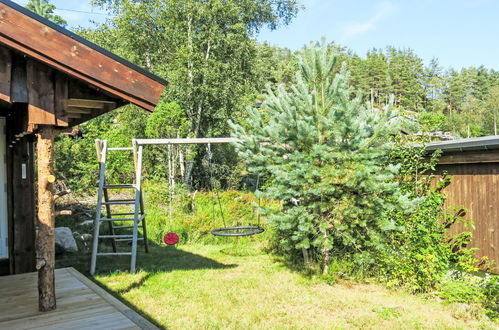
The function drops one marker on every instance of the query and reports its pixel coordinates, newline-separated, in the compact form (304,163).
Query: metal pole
(138,178)
(101,146)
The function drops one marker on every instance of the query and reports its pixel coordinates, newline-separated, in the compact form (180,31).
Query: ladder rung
(119,186)
(124,227)
(118,219)
(114,253)
(120,148)
(119,201)
(142,216)
(115,236)
(121,214)
(128,239)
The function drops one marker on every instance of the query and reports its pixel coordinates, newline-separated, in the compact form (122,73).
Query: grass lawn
(240,286)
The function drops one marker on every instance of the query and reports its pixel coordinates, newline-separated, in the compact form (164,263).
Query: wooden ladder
(138,216)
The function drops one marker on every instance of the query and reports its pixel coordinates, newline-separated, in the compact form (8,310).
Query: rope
(170,185)
(210,170)
(259,199)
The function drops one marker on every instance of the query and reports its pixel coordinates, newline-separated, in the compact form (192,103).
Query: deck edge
(129,313)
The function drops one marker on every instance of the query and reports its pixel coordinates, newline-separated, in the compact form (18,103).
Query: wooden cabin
(473,165)
(50,80)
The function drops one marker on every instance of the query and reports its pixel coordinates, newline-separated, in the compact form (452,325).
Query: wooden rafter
(76,57)
(90,104)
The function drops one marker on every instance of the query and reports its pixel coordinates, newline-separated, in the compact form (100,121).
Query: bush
(419,253)
(432,121)
(469,289)
(75,157)
(196,214)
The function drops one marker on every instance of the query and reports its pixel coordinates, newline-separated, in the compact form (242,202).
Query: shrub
(195,214)
(419,253)
(469,289)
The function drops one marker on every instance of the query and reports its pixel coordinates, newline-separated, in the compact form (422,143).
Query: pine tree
(406,76)
(327,156)
(492,108)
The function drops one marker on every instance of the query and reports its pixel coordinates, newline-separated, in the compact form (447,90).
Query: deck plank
(81,304)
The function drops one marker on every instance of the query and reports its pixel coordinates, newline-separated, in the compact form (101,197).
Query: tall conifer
(327,156)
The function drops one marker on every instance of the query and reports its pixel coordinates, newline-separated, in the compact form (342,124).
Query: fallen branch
(63,212)
(60,194)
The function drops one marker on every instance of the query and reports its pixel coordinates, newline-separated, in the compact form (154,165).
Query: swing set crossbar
(141,142)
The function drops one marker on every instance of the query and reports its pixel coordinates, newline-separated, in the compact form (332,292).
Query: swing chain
(170,183)
(212,188)
(259,199)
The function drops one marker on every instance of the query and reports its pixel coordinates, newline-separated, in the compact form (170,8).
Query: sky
(460,33)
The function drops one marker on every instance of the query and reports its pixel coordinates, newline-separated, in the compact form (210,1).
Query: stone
(87,237)
(88,223)
(65,240)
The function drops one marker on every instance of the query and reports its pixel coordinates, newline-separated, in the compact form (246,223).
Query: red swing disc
(170,239)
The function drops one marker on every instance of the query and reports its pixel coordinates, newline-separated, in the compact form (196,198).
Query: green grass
(239,285)
(234,283)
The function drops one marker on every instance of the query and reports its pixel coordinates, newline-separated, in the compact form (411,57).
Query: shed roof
(37,37)
(468,144)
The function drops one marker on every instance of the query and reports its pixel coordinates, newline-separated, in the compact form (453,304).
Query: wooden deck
(81,304)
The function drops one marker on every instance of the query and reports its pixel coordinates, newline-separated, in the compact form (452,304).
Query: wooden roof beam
(91,104)
(85,111)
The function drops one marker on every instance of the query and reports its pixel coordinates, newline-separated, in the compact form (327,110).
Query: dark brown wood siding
(21,194)
(475,187)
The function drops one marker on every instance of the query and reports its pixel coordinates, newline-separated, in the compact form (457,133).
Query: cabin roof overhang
(468,144)
(475,150)
(52,45)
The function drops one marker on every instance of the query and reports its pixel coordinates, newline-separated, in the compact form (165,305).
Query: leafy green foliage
(492,109)
(419,253)
(167,121)
(327,156)
(195,215)
(76,160)
(432,121)
(469,289)
(205,50)
(45,9)
(388,313)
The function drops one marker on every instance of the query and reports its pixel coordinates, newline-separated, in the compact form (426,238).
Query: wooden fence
(475,187)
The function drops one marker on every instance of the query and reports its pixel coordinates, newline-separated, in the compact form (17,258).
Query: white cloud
(351,30)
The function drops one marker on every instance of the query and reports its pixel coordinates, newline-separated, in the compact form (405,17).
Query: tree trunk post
(45,241)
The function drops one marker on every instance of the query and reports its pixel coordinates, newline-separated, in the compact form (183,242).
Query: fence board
(474,187)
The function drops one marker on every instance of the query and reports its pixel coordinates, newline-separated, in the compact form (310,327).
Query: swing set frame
(223,231)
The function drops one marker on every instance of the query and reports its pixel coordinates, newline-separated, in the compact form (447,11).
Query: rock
(87,237)
(88,223)
(65,240)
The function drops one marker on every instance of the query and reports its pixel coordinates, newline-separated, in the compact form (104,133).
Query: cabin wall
(4,251)
(20,192)
(475,187)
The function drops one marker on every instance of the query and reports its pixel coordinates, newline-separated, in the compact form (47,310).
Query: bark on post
(45,241)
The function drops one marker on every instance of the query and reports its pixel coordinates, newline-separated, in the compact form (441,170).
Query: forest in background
(215,67)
